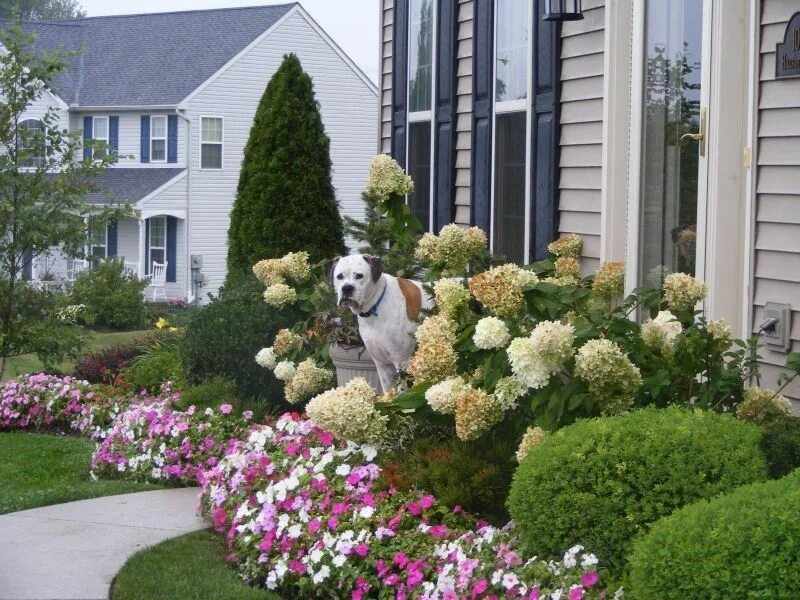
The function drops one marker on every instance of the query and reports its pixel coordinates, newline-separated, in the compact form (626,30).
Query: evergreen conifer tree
(285,200)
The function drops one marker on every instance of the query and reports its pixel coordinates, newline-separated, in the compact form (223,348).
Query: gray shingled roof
(128,186)
(149,59)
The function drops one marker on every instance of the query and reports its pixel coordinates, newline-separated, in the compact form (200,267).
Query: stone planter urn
(354,361)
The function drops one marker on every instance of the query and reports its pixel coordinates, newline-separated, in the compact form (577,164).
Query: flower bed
(301,512)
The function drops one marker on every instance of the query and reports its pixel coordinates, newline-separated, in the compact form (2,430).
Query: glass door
(672,211)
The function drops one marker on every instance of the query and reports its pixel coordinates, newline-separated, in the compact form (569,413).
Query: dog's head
(354,278)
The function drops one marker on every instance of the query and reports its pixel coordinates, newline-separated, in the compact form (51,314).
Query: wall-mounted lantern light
(562,10)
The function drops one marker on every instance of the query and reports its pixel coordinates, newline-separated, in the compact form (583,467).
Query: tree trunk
(2,366)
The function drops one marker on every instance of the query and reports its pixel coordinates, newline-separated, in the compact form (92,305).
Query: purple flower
(590,579)
(226,409)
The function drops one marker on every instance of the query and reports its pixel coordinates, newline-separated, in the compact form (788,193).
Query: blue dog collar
(373,312)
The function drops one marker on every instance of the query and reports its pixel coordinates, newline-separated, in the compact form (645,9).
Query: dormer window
(158,139)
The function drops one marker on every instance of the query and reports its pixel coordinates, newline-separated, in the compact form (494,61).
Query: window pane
(159,150)
(211,130)
(156,255)
(158,232)
(419,168)
(99,251)
(211,156)
(100,128)
(511,73)
(509,186)
(668,226)
(31,139)
(158,127)
(420,41)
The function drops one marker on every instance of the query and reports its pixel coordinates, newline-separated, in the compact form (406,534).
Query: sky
(353,24)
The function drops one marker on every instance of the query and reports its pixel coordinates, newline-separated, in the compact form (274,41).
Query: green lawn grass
(191,566)
(28,363)
(38,469)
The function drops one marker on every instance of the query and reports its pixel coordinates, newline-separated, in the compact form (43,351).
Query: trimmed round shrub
(601,482)
(781,445)
(223,338)
(111,294)
(745,544)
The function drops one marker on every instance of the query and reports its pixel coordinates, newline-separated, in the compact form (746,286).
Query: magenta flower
(225,409)
(361,550)
(479,588)
(414,508)
(590,579)
(426,501)
(576,593)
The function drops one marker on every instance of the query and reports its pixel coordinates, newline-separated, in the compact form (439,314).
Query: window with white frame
(157,242)
(419,159)
(100,134)
(510,194)
(98,242)
(211,143)
(158,139)
(30,141)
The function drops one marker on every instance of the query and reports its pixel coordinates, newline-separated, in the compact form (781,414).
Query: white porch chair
(158,279)
(77,267)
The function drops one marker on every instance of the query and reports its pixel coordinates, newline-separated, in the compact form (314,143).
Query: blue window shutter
(87,135)
(113,134)
(147,246)
(445,138)
(482,59)
(172,247)
(172,138)
(399,80)
(27,265)
(545,132)
(145,149)
(111,238)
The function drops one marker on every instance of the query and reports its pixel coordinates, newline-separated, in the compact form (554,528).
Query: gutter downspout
(188,268)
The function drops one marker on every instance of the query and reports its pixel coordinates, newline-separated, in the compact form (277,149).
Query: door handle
(700,136)
(697,137)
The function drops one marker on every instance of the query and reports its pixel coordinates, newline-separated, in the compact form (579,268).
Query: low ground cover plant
(607,480)
(745,544)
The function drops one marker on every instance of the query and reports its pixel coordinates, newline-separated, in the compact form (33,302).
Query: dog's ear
(375,266)
(330,267)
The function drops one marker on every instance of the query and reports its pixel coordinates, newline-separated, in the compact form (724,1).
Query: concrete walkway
(72,551)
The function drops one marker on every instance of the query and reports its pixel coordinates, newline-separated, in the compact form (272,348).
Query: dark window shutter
(172,138)
(445,139)
(545,131)
(111,238)
(145,147)
(172,247)
(113,134)
(147,246)
(399,80)
(27,265)
(87,135)
(482,74)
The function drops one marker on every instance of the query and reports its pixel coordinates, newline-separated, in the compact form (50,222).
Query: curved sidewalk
(73,551)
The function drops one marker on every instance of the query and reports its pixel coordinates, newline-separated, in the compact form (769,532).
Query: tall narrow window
(511,130)
(30,142)
(210,143)
(100,134)
(99,242)
(158,139)
(157,241)
(421,50)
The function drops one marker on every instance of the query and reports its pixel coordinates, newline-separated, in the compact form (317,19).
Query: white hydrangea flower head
(552,341)
(280,295)
(612,378)
(450,295)
(266,358)
(533,437)
(759,404)
(682,291)
(660,333)
(349,412)
(526,364)
(285,370)
(490,333)
(309,379)
(386,178)
(441,396)
(507,391)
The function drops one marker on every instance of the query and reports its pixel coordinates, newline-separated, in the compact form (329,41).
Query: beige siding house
(635,82)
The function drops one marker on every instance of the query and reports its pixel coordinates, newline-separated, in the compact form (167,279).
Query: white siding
(582,129)
(463,154)
(130,136)
(39,108)
(777,234)
(349,110)
(128,240)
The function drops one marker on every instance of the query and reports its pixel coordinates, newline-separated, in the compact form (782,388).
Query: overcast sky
(353,24)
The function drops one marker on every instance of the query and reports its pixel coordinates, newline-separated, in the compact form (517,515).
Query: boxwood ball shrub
(744,544)
(604,481)
(111,294)
(781,445)
(223,338)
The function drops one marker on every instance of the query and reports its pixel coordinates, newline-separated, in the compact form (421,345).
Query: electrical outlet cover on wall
(779,339)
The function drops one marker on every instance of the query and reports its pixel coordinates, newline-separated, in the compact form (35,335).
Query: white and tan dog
(387,308)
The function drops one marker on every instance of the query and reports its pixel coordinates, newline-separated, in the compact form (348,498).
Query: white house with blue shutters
(174,95)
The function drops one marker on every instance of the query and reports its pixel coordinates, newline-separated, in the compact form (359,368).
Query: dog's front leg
(387,374)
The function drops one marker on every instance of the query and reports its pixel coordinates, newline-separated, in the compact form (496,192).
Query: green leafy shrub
(473,475)
(603,481)
(744,544)
(285,199)
(223,338)
(112,295)
(780,442)
(214,393)
(157,362)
